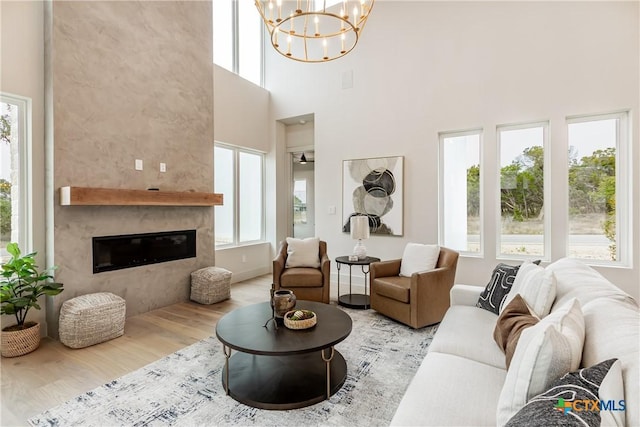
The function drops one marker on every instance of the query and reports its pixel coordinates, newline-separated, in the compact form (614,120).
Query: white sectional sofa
(460,380)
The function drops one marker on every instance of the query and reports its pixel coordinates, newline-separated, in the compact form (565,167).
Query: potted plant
(21,284)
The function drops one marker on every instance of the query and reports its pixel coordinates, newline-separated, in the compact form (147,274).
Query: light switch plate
(331,210)
(163,167)
(138,164)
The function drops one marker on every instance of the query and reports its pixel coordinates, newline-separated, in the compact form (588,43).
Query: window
(237,38)
(15,216)
(460,180)
(522,190)
(598,188)
(300,201)
(238,175)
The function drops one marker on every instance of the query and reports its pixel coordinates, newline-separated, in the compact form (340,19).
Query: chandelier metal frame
(338,33)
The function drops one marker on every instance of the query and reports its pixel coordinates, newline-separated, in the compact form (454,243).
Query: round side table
(352,300)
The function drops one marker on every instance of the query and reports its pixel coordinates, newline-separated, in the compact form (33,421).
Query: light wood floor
(54,373)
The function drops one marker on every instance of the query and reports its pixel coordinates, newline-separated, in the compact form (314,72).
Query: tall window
(522,189)
(14,172)
(238,176)
(237,38)
(598,187)
(460,191)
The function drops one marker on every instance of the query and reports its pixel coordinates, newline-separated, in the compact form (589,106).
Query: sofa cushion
(575,279)
(301,278)
(468,332)
(515,318)
(613,331)
(565,402)
(542,356)
(449,390)
(394,287)
(498,287)
(303,252)
(536,285)
(418,257)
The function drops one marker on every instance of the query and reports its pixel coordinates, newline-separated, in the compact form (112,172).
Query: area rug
(184,388)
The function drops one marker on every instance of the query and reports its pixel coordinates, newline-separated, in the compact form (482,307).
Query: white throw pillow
(303,252)
(536,285)
(544,353)
(542,356)
(569,321)
(418,257)
(612,389)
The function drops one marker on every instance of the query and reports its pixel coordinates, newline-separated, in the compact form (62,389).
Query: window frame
(236,195)
(235,43)
(25,212)
(546,241)
(441,199)
(624,194)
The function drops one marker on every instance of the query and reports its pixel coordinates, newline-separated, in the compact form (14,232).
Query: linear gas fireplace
(117,252)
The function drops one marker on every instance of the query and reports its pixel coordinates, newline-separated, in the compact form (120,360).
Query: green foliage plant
(21,284)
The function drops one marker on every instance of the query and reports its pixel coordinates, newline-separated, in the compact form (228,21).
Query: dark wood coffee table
(282,368)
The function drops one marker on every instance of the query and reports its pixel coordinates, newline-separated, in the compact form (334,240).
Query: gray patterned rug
(184,388)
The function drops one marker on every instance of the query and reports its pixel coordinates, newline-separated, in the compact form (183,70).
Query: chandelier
(299,30)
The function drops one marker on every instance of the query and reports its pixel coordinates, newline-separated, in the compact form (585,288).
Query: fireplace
(132,250)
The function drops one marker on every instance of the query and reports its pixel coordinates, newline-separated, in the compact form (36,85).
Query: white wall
(22,73)
(240,111)
(427,67)
(241,117)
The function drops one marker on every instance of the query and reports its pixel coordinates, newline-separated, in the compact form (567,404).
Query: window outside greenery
(461,215)
(14,225)
(522,190)
(592,185)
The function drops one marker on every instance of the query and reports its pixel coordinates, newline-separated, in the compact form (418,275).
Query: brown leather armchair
(305,282)
(416,301)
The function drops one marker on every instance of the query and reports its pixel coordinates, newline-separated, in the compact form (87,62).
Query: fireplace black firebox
(117,252)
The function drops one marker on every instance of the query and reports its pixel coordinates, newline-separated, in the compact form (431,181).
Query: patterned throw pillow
(555,407)
(498,287)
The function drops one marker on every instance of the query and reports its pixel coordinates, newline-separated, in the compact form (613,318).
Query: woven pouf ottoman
(91,319)
(210,285)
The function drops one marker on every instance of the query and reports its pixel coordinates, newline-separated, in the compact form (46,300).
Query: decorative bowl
(300,319)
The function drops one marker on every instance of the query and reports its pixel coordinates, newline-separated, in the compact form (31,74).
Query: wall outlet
(138,164)
(163,167)
(331,210)
(244,258)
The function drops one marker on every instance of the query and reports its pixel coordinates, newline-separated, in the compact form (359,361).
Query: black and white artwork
(374,187)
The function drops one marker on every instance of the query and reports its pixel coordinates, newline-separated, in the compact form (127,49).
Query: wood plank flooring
(54,373)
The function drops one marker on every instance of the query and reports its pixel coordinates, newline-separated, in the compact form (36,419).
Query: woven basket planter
(18,343)
(91,319)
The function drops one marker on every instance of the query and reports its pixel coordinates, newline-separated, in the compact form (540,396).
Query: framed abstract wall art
(374,187)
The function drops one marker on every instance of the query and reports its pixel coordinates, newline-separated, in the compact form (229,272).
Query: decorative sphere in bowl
(300,319)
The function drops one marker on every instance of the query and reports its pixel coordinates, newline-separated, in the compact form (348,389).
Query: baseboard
(250,274)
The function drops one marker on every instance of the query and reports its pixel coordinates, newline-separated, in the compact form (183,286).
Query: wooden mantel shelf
(86,196)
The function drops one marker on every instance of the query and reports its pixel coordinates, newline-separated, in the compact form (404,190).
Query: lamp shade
(359,226)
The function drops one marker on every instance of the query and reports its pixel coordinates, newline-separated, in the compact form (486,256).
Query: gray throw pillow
(498,287)
(554,406)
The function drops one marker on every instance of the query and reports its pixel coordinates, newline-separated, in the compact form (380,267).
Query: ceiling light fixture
(303,159)
(309,34)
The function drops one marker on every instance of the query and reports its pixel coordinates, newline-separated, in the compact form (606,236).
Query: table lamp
(359,226)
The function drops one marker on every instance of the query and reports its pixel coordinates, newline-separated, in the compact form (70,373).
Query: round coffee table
(282,368)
